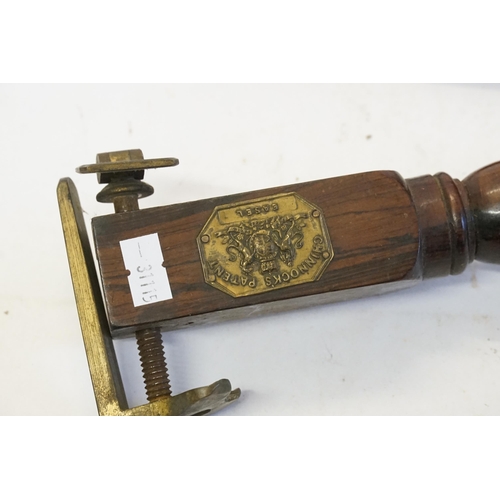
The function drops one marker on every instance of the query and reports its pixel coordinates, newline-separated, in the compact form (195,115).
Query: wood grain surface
(371,220)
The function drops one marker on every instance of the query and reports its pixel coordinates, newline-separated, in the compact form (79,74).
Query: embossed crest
(265,244)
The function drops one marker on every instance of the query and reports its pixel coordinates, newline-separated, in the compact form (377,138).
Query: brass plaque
(262,245)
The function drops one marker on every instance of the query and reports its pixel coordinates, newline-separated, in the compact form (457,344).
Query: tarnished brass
(103,366)
(264,244)
(123,161)
(123,171)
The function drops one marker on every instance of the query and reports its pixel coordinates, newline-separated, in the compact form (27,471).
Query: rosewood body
(387,233)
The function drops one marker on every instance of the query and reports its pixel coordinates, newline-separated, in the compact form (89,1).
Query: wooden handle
(386,234)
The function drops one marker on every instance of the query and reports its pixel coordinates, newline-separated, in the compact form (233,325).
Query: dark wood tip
(458,221)
(483,189)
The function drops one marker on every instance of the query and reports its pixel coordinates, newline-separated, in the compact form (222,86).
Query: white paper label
(148,278)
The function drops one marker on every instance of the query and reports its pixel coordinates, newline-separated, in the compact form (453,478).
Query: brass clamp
(123,172)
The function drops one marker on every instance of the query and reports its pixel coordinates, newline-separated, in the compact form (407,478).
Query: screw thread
(154,366)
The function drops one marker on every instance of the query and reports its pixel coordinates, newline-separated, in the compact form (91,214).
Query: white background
(430,350)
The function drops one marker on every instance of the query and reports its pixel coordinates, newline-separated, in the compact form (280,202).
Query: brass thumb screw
(123,172)
(154,366)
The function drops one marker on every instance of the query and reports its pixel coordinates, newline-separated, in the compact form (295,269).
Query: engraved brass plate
(262,245)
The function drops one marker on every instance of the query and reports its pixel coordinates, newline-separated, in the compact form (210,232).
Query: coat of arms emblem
(260,245)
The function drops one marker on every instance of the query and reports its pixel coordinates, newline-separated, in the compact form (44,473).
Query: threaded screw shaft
(154,366)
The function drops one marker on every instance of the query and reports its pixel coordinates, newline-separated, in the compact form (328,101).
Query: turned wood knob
(459,221)
(483,188)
